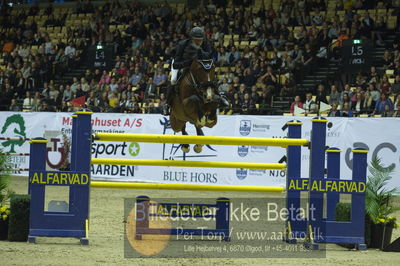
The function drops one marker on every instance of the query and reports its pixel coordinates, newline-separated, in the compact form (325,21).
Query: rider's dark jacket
(186,51)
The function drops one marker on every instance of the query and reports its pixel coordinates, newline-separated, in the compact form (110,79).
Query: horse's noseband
(206,64)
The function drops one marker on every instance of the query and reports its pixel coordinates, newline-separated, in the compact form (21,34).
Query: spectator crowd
(261,53)
(371,93)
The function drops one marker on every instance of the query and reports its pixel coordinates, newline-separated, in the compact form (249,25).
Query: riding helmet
(197,33)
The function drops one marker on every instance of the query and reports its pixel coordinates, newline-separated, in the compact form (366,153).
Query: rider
(183,54)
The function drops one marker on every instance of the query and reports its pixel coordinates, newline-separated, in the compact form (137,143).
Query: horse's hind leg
(198,147)
(185,147)
(178,125)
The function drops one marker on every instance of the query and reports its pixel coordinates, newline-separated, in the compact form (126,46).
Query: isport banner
(378,135)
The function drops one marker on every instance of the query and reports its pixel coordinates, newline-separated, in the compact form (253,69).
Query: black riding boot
(169,97)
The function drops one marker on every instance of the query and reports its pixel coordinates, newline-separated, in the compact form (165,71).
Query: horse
(195,100)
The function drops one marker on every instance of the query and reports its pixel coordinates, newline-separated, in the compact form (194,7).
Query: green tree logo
(134,149)
(17,124)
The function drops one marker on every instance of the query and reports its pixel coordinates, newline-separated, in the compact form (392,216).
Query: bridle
(201,87)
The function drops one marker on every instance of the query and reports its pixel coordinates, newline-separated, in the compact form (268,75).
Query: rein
(193,83)
(198,86)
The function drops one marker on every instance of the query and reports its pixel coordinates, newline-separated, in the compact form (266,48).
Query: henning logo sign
(245,127)
(241,173)
(243,151)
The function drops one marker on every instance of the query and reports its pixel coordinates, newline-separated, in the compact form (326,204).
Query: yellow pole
(205,140)
(206,164)
(155,186)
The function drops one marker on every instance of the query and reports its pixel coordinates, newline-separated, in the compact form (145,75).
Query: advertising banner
(379,135)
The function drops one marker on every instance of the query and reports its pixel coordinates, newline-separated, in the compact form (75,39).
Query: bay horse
(195,100)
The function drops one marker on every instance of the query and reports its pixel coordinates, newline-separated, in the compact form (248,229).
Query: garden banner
(379,135)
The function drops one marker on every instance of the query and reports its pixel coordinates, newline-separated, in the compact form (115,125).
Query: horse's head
(203,77)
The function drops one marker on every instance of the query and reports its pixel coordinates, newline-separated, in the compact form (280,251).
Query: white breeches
(174,73)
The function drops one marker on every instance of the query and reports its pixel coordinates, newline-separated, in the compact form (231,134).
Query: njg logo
(243,151)
(241,173)
(14,124)
(245,127)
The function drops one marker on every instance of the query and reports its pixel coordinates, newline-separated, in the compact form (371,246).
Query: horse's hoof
(202,121)
(185,148)
(198,148)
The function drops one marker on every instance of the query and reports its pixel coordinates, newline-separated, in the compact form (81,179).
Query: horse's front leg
(211,119)
(198,147)
(192,107)
(202,119)
(185,147)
